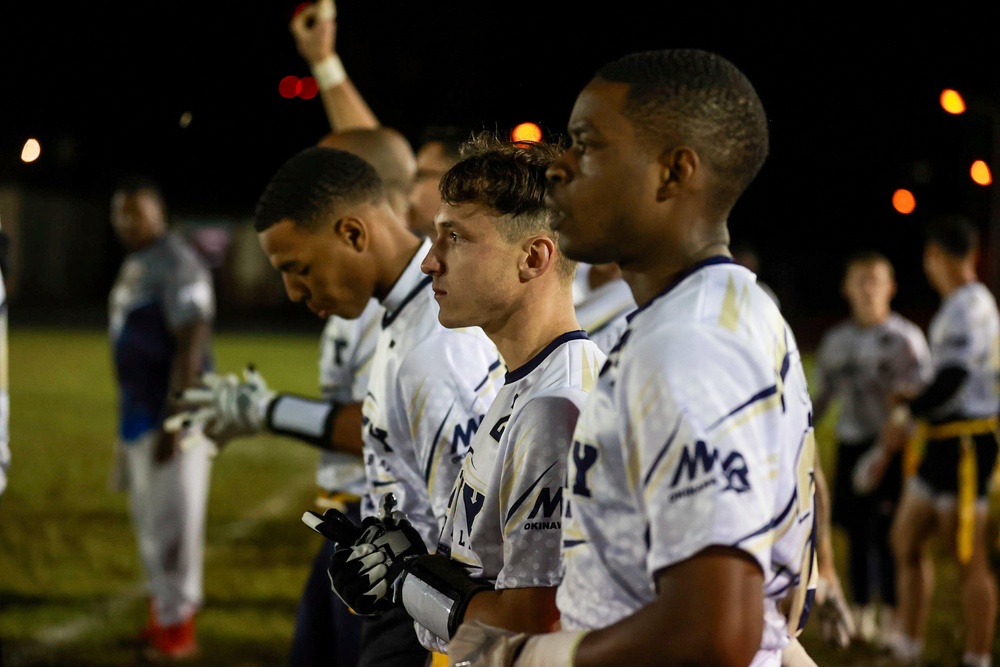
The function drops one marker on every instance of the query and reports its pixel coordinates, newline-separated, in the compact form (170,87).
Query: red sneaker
(172,642)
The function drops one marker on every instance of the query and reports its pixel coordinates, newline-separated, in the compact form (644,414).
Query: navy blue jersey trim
(663,452)
(495,365)
(720,259)
(518,373)
(389,318)
(434,443)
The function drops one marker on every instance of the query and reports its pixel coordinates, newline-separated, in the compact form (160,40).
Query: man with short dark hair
(688,521)
(162,306)
(325,224)
(957,411)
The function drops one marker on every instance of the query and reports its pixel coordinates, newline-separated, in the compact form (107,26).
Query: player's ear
(353,231)
(538,257)
(679,167)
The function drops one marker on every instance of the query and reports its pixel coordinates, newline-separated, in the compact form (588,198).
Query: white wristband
(329,72)
(554,649)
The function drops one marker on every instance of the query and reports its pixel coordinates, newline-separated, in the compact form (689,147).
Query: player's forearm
(824,541)
(192,343)
(709,611)
(530,610)
(946,384)
(346,109)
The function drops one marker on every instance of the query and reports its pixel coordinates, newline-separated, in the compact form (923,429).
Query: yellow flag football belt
(965,431)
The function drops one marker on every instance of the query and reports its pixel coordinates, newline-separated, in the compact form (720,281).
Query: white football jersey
(965,332)
(602,312)
(860,367)
(346,350)
(698,433)
(505,511)
(428,392)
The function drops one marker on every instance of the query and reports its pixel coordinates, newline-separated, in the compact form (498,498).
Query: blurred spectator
(947,494)
(161,310)
(859,364)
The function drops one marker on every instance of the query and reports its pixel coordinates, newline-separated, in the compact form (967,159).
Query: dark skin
(698,617)
(621,197)
(192,341)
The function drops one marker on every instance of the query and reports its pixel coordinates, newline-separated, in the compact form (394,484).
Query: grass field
(70,585)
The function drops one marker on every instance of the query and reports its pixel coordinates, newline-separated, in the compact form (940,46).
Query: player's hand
(167,444)
(477,644)
(225,406)
(794,655)
(334,525)
(363,575)
(870,469)
(314,29)
(836,625)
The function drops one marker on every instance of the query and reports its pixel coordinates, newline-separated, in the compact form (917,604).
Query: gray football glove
(225,405)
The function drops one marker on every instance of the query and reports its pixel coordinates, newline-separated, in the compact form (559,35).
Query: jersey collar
(532,364)
(407,286)
(719,259)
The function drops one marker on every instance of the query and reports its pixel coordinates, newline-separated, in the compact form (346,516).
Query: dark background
(851,91)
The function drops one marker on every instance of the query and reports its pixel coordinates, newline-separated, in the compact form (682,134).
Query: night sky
(852,99)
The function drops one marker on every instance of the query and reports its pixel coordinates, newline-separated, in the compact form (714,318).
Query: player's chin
(450,319)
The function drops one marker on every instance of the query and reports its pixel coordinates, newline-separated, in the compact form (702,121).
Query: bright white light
(31,150)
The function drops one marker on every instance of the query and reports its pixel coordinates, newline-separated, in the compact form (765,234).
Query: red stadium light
(526,132)
(309,88)
(903,201)
(289,87)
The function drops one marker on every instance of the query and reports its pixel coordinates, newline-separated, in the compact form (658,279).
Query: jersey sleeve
(914,371)
(534,473)
(440,385)
(189,294)
(955,343)
(697,413)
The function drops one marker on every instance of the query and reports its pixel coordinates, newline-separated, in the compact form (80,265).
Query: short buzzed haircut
(697,98)
(509,179)
(314,181)
(868,257)
(954,233)
(134,182)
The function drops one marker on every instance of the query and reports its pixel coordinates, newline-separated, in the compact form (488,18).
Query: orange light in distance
(980,173)
(952,102)
(289,87)
(904,201)
(526,132)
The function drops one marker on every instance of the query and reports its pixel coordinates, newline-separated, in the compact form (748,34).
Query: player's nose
(557,172)
(430,264)
(294,288)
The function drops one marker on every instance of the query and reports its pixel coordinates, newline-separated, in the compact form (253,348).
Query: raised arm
(315,30)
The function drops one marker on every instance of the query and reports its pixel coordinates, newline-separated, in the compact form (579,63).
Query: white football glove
(477,644)
(225,405)
(869,469)
(836,624)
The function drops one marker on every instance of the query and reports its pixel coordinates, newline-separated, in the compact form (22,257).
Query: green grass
(70,585)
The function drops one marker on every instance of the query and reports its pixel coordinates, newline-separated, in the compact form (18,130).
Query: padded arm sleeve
(435,591)
(306,419)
